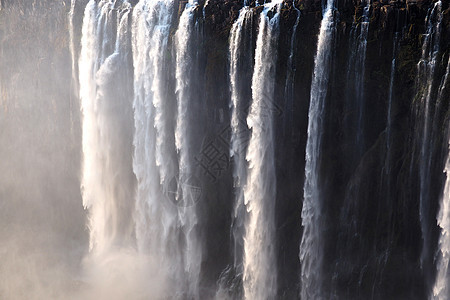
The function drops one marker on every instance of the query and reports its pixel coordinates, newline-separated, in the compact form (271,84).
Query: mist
(43,230)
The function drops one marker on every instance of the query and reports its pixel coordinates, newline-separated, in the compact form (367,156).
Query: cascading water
(72,44)
(185,60)
(311,244)
(74,81)
(157,230)
(290,76)
(154,83)
(444,82)
(389,140)
(240,58)
(425,83)
(107,177)
(238,49)
(390,99)
(356,77)
(107,182)
(259,278)
(441,288)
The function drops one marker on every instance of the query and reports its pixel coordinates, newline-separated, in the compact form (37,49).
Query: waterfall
(107,181)
(112,268)
(238,48)
(425,83)
(72,44)
(290,75)
(188,100)
(356,77)
(444,81)
(185,61)
(241,65)
(441,288)
(259,278)
(360,69)
(311,244)
(156,219)
(389,141)
(74,81)
(390,98)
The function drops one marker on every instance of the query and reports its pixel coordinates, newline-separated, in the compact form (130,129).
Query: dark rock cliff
(383,259)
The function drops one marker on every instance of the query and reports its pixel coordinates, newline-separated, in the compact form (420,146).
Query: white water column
(311,253)
(260,280)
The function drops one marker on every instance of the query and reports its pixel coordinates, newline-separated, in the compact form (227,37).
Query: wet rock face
(388,250)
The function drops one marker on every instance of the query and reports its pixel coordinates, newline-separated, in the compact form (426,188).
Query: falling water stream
(157,230)
(290,75)
(356,76)
(185,59)
(390,99)
(106,127)
(259,280)
(441,288)
(311,253)
(426,82)
(239,137)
